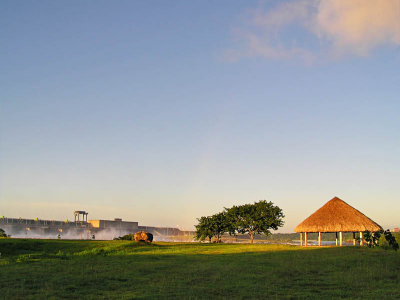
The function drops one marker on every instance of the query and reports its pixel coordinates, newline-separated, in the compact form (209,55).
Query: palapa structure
(338,217)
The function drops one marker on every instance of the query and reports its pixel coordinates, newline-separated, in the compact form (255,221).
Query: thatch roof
(335,216)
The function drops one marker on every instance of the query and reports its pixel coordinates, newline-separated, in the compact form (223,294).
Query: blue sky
(163,112)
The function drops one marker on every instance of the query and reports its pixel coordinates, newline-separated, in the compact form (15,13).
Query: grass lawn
(40,269)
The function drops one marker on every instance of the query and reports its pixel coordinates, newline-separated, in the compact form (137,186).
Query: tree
(212,226)
(259,217)
(3,233)
(372,238)
(204,229)
(391,240)
(220,225)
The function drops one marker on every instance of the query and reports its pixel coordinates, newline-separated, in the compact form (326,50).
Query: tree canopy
(212,226)
(259,217)
(204,229)
(3,233)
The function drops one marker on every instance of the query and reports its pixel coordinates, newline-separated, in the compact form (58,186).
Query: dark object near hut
(143,236)
(391,240)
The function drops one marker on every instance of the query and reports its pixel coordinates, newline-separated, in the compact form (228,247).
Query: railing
(39,223)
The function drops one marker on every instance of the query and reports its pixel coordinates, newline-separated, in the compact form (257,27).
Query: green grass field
(40,269)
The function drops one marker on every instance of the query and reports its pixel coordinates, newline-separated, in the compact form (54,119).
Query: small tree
(213,226)
(391,240)
(220,225)
(204,229)
(3,233)
(259,217)
(372,238)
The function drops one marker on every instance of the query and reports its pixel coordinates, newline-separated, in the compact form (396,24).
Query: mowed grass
(40,269)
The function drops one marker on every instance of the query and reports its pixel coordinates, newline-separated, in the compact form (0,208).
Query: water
(315,243)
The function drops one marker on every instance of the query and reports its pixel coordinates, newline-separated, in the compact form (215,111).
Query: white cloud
(339,27)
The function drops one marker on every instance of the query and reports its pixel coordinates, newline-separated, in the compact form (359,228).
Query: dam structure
(83,228)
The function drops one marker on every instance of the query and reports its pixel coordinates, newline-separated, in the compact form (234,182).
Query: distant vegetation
(54,269)
(257,218)
(3,234)
(126,237)
(384,239)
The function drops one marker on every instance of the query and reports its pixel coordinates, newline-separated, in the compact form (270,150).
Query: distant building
(81,228)
(116,224)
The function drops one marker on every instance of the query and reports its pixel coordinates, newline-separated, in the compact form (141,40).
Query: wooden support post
(301,239)
(305,239)
(319,238)
(336,239)
(341,238)
(354,238)
(361,239)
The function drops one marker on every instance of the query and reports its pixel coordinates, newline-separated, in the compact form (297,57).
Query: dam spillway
(86,229)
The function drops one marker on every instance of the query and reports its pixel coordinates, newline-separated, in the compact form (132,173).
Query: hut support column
(336,239)
(361,239)
(305,239)
(341,238)
(354,238)
(319,238)
(301,239)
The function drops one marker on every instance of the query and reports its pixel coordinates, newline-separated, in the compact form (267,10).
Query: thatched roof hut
(337,216)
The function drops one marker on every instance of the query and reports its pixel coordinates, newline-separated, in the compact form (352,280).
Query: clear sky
(164,111)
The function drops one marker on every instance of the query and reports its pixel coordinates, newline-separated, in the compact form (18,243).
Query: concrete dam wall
(87,229)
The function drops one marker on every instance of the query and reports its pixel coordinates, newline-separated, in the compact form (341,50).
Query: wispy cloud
(359,26)
(328,28)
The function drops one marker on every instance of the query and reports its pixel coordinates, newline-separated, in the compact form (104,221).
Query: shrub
(383,239)
(3,234)
(391,240)
(126,237)
(372,239)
